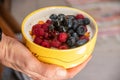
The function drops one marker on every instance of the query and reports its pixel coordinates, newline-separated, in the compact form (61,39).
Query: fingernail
(61,72)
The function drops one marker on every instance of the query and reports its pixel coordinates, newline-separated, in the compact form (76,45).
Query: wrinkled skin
(15,55)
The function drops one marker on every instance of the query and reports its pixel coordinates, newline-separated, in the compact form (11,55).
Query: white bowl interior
(43,14)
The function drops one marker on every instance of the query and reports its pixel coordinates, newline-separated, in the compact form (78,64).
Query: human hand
(17,56)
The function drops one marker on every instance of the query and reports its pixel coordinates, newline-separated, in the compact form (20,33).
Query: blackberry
(71,41)
(81,30)
(70,31)
(51,27)
(75,24)
(80,21)
(56,24)
(69,23)
(81,42)
(86,21)
(62,29)
(53,16)
(75,35)
(61,17)
(70,17)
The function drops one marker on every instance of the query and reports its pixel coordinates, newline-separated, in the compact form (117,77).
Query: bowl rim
(41,9)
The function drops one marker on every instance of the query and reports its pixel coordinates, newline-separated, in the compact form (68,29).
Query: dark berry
(61,17)
(81,30)
(75,24)
(51,28)
(71,17)
(75,35)
(70,31)
(62,37)
(56,24)
(53,16)
(62,29)
(64,22)
(81,42)
(51,35)
(80,21)
(86,21)
(71,41)
(69,23)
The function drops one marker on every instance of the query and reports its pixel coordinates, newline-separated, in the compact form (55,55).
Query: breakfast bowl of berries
(60,35)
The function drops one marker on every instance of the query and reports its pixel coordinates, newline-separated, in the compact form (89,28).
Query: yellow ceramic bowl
(66,58)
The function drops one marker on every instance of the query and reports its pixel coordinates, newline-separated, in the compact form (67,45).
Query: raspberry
(38,30)
(46,43)
(55,43)
(35,29)
(49,21)
(79,16)
(45,26)
(62,37)
(46,36)
(41,32)
(37,40)
(63,47)
(36,26)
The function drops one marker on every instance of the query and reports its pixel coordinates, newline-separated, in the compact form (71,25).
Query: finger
(53,72)
(44,70)
(73,71)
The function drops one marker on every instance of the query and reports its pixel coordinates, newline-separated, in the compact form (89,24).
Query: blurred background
(105,63)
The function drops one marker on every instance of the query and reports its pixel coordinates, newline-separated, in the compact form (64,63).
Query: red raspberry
(45,26)
(41,32)
(35,29)
(79,16)
(62,37)
(49,21)
(63,47)
(36,26)
(37,40)
(55,43)
(46,43)
(46,36)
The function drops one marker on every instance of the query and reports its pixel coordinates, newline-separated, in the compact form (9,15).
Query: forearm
(3,46)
